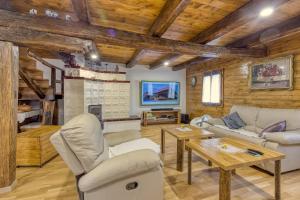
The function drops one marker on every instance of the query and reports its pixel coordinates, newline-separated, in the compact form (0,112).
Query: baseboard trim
(8,188)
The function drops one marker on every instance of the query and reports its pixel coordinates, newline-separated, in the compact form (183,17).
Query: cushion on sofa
(226,132)
(285,138)
(84,137)
(234,121)
(247,113)
(277,127)
(215,121)
(267,116)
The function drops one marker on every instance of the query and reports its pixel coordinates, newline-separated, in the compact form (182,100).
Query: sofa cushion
(285,138)
(115,138)
(84,137)
(226,132)
(277,127)
(134,145)
(67,155)
(267,116)
(234,121)
(215,121)
(247,113)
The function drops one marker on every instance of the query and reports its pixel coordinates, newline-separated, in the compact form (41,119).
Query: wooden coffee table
(182,137)
(212,150)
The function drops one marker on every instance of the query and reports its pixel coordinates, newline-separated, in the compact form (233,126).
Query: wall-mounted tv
(159,93)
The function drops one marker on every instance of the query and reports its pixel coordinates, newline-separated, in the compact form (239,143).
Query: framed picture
(272,74)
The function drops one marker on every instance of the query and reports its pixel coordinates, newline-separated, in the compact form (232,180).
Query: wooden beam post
(9,66)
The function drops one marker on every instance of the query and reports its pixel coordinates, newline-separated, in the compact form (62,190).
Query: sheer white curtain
(211,91)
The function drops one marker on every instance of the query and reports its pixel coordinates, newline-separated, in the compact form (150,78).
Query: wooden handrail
(44,62)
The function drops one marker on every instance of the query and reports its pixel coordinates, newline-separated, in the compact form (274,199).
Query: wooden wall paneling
(9,66)
(236,88)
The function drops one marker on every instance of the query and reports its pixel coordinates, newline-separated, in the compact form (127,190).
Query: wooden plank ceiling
(181,20)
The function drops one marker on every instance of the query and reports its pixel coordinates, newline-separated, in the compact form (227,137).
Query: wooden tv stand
(161,117)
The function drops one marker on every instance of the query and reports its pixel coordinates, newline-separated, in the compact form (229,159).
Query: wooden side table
(182,137)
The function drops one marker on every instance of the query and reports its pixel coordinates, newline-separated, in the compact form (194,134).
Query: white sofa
(112,167)
(257,119)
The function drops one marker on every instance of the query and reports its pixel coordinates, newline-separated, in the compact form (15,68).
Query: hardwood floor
(55,182)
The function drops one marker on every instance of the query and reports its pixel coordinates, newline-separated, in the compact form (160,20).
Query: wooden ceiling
(183,20)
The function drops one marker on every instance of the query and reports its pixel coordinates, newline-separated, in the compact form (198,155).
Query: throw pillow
(277,127)
(234,121)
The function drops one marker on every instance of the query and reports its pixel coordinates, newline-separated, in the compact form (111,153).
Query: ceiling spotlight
(166,63)
(266,12)
(94,56)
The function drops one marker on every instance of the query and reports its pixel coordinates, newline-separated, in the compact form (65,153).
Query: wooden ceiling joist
(236,19)
(284,29)
(105,35)
(43,40)
(81,9)
(168,14)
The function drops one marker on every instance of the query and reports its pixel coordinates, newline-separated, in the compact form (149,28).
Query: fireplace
(97,111)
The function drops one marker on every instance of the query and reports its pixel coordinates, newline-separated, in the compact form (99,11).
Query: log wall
(236,87)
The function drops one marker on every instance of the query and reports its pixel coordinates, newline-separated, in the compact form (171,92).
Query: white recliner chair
(131,175)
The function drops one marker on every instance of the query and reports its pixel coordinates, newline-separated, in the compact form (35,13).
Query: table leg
(233,172)
(180,154)
(162,144)
(277,175)
(209,163)
(224,184)
(189,166)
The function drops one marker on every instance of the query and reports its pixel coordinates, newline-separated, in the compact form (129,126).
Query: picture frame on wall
(272,74)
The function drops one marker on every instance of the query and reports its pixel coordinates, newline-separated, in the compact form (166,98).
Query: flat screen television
(159,93)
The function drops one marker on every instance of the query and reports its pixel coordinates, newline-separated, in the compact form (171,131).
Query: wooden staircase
(28,65)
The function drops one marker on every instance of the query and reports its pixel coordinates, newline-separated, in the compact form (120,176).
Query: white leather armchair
(135,174)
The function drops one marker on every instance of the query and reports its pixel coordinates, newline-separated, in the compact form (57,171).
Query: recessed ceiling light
(94,56)
(166,63)
(266,12)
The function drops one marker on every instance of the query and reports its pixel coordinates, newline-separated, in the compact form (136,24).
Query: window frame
(210,73)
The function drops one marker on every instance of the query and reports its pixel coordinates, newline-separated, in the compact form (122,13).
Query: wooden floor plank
(55,181)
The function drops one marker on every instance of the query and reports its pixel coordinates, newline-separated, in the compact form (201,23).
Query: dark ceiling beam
(263,37)
(81,10)
(42,40)
(111,36)
(236,19)
(167,16)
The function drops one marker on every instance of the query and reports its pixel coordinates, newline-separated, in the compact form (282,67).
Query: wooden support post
(162,144)
(180,154)
(225,184)
(62,83)
(277,175)
(189,166)
(9,66)
(53,80)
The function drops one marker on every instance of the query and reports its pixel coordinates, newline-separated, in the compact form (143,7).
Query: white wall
(138,73)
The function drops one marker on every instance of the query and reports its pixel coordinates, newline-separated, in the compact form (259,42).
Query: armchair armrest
(118,168)
(115,138)
(286,138)
(215,121)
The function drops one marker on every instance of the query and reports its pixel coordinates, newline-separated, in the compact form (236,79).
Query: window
(212,88)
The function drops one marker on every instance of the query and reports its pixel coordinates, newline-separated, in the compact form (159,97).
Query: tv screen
(159,93)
